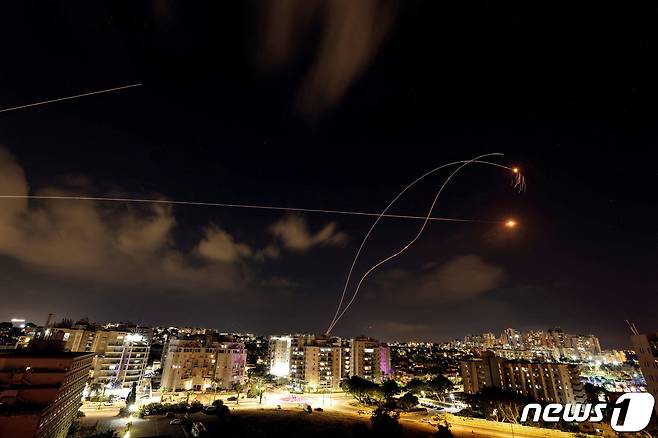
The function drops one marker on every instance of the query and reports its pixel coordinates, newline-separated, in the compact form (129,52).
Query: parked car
(210,410)
(318,409)
(176,421)
(170,415)
(232,398)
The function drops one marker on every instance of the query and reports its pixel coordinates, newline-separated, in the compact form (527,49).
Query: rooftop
(42,354)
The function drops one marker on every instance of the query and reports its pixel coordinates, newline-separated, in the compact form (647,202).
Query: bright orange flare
(510,224)
(515,169)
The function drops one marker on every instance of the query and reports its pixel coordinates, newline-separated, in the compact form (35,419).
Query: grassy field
(293,424)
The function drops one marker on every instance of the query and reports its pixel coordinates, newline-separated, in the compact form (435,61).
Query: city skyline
(289,128)
(328,218)
(467,339)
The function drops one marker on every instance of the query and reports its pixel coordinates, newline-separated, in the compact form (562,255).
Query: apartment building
(279,355)
(370,359)
(192,364)
(646,350)
(40,392)
(120,360)
(544,382)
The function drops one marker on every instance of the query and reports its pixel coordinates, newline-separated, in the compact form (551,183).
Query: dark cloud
(461,278)
(94,253)
(350,33)
(294,234)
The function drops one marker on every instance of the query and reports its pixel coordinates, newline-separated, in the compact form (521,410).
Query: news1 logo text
(630,413)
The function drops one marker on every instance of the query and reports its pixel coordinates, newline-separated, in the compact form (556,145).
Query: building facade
(279,355)
(319,363)
(646,349)
(40,392)
(199,366)
(370,359)
(544,382)
(120,360)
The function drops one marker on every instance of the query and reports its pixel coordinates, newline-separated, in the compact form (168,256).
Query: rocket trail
(45,102)
(250,206)
(518,183)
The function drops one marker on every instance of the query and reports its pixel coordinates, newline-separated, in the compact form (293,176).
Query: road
(337,405)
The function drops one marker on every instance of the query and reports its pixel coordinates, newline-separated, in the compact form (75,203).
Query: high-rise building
(346,359)
(511,338)
(646,350)
(544,382)
(585,345)
(279,355)
(191,364)
(76,340)
(315,363)
(536,339)
(297,360)
(483,341)
(488,340)
(231,363)
(40,392)
(322,367)
(120,360)
(370,359)
(556,337)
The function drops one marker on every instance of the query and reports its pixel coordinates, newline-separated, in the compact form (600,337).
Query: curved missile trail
(45,102)
(518,183)
(251,206)
(383,214)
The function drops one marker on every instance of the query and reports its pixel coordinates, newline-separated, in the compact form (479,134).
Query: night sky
(331,105)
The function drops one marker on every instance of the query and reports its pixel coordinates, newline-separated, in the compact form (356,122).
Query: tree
(364,391)
(238,388)
(439,386)
(257,379)
(132,395)
(594,393)
(390,388)
(407,402)
(385,420)
(213,384)
(164,392)
(436,387)
(416,386)
(223,411)
(99,389)
(498,405)
(443,431)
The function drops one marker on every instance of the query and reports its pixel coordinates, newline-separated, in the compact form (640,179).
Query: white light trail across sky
(250,206)
(45,102)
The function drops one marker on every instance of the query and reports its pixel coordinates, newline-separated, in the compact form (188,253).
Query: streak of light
(339,314)
(251,206)
(45,102)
